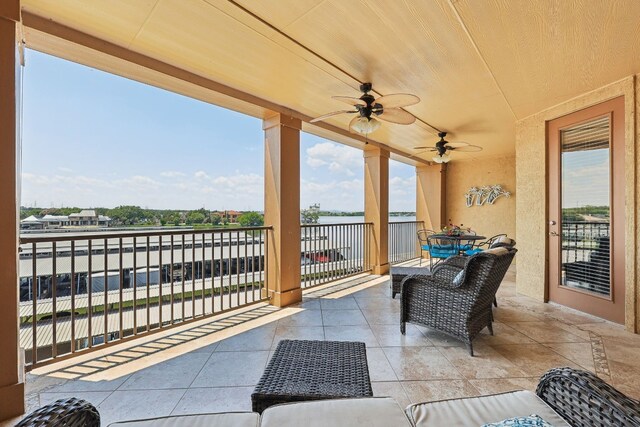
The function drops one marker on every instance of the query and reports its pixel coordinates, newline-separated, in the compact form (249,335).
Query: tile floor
(213,365)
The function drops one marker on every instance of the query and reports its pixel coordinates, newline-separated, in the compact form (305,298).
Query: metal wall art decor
(487,194)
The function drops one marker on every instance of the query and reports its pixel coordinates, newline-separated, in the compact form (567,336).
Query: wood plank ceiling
(478,66)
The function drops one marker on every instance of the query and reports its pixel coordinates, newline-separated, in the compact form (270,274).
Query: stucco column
(431,195)
(376,205)
(11,370)
(282,207)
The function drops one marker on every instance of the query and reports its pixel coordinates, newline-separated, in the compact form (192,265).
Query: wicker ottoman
(313,370)
(399,273)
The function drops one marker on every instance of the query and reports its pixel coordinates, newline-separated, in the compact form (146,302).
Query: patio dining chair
(424,243)
(440,248)
(497,241)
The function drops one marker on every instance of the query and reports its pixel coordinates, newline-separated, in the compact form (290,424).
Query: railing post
(11,374)
(282,207)
(376,205)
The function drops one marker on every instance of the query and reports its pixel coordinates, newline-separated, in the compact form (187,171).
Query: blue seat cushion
(473,251)
(442,253)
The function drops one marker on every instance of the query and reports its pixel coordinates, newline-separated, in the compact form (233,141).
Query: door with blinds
(586,210)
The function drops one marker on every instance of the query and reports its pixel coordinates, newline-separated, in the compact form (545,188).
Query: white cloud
(336,158)
(172,174)
(236,191)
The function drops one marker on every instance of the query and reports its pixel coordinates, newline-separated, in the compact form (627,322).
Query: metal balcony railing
(84,290)
(403,241)
(331,252)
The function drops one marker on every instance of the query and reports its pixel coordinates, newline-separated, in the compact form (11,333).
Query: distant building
(84,218)
(230,216)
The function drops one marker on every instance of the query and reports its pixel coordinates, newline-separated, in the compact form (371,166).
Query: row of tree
(135,215)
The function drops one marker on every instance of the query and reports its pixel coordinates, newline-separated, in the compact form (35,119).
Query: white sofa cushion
(369,412)
(475,411)
(228,419)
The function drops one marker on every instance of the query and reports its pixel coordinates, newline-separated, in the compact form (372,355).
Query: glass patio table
(457,240)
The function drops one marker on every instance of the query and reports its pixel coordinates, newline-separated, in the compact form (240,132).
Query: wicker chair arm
(71,412)
(583,399)
(426,281)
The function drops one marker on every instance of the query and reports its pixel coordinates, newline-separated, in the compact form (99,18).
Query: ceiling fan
(369,109)
(443,146)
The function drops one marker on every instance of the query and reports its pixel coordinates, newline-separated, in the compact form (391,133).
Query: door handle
(553,233)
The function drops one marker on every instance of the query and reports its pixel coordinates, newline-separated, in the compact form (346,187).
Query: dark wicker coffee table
(313,370)
(399,273)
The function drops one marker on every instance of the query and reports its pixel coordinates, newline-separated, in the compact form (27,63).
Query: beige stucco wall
(531,187)
(487,220)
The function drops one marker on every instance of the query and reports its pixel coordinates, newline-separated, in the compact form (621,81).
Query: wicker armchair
(70,412)
(583,399)
(454,301)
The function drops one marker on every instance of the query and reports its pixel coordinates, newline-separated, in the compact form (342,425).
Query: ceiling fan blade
(466,149)
(396,115)
(397,100)
(350,100)
(459,144)
(335,113)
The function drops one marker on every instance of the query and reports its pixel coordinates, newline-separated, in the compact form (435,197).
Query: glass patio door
(586,210)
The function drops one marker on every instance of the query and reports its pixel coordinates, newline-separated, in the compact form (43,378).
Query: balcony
(154,323)
(212,365)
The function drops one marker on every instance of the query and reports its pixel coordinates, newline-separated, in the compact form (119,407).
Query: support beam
(282,207)
(431,196)
(11,372)
(376,205)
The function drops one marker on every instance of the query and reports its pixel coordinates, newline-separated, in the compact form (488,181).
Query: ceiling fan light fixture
(365,125)
(444,158)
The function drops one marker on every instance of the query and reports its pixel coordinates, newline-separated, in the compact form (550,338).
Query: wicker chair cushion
(369,412)
(459,279)
(503,241)
(228,419)
(476,411)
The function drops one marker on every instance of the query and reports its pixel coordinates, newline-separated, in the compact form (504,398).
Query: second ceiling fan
(369,109)
(443,146)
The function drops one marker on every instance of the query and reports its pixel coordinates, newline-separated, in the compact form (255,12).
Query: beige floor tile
(577,352)
(391,389)
(379,303)
(307,317)
(533,359)
(382,317)
(362,333)
(502,334)
(85,385)
(93,397)
(345,303)
(508,314)
(420,363)
(427,391)
(259,338)
(133,405)
(298,333)
(390,336)
(232,369)
(343,318)
(547,332)
(440,339)
(486,363)
(379,367)
(178,372)
(502,385)
(207,400)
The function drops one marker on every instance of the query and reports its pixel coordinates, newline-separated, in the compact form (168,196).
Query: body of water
(354,219)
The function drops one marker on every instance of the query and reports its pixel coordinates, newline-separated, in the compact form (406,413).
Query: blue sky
(92,139)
